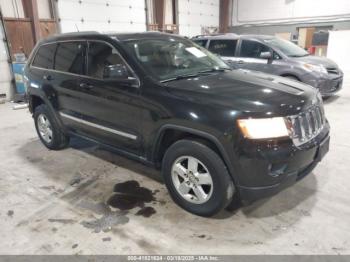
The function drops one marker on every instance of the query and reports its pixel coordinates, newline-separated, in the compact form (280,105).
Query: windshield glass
(287,47)
(166,59)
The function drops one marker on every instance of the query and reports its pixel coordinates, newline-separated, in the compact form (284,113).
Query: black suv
(216,133)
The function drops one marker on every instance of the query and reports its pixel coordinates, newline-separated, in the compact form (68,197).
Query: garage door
(196,16)
(102,16)
(5,76)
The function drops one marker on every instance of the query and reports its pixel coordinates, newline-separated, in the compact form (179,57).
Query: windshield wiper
(179,77)
(215,69)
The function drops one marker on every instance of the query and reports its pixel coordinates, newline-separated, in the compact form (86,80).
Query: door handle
(47,77)
(240,62)
(86,86)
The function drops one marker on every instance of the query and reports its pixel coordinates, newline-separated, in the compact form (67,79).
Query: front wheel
(197,178)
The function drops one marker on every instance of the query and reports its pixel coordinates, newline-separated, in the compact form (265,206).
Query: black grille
(333,70)
(307,125)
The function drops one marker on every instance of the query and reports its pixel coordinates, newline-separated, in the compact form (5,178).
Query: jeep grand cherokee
(216,133)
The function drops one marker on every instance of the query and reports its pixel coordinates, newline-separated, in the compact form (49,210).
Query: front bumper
(328,86)
(271,170)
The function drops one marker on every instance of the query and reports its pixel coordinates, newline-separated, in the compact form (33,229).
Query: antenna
(76,27)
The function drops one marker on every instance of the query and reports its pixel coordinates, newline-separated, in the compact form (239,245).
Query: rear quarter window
(44,57)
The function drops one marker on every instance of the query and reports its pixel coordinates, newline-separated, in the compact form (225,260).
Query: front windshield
(287,47)
(166,59)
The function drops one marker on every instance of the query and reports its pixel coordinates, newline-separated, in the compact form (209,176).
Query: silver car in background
(275,56)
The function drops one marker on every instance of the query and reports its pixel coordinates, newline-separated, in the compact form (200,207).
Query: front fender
(217,141)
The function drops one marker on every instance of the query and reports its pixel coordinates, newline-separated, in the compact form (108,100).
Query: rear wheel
(197,178)
(48,130)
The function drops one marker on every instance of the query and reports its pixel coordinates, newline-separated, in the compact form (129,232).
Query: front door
(249,57)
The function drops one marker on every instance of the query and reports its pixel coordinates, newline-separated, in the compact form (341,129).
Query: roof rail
(233,34)
(80,33)
(204,35)
(217,34)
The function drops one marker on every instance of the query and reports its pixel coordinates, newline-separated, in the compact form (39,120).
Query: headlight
(315,68)
(263,128)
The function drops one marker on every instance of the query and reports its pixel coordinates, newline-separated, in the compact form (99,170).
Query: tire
(54,139)
(218,195)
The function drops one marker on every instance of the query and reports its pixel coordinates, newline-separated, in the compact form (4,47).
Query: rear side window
(70,57)
(252,49)
(44,58)
(202,43)
(223,47)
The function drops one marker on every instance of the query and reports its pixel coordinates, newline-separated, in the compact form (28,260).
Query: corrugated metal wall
(196,16)
(102,16)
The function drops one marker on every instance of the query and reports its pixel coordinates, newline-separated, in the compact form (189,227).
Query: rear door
(225,48)
(68,68)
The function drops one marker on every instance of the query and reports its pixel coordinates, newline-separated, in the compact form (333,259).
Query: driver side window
(104,62)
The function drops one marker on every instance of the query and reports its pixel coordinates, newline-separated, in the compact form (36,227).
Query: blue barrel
(18,72)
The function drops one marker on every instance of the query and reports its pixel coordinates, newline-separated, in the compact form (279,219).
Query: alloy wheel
(192,179)
(44,127)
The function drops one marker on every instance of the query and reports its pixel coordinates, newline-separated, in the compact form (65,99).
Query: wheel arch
(169,134)
(36,100)
(291,75)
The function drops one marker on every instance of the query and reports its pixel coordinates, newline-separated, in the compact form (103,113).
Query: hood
(247,92)
(316,60)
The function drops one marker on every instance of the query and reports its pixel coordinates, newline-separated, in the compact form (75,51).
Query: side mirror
(266,55)
(118,71)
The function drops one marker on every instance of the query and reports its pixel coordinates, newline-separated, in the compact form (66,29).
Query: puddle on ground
(146,212)
(126,196)
(130,194)
(98,208)
(106,222)
(108,219)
